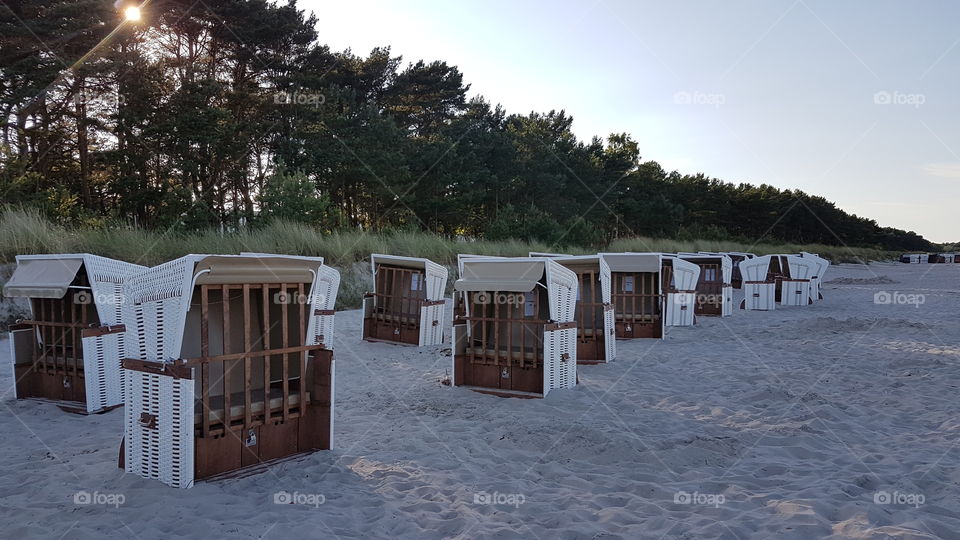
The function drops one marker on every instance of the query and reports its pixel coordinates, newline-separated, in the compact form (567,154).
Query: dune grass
(26,231)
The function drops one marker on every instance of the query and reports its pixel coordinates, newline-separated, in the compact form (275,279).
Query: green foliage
(175,124)
(294,197)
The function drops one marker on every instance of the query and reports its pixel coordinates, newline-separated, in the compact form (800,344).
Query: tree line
(232,112)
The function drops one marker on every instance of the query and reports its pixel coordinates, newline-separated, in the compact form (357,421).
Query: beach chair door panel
(159,418)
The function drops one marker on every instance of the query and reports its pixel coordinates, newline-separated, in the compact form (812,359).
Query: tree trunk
(83,147)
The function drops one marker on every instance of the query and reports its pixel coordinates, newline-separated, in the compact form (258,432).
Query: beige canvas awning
(579,262)
(507,275)
(632,262)
(396,260)
(239,270)
(42,278)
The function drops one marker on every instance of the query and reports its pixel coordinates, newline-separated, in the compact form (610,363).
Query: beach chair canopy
(632,262)
(755,269)
(544,254)
(512,275)
(436,275)
(43,277)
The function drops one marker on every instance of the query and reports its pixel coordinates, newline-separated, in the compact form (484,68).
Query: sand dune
(833,420)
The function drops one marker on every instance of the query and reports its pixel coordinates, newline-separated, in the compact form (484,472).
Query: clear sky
(853,100)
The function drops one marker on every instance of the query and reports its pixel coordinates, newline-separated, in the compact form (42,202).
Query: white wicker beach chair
(407,302)
(596,336)
(518,335)
(795,289)
(817,279)
(70,351)
(637,294)
(715,286)
(230,364)
(681,292)
(759,292)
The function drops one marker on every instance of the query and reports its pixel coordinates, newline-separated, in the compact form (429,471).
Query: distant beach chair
(759,285)
(715,286)
(912,258)
(637,294)
(518,335)
(821,265)
(596,336)
(679,282)
(229,364)
(736,280)
(792,275)
(406,305)
(69,352)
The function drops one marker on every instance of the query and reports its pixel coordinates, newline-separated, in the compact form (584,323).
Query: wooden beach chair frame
(214,387)
(596,336)
(518,335)
(69,351)
(407,302)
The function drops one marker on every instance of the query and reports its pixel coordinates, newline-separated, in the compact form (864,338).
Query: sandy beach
(836,420)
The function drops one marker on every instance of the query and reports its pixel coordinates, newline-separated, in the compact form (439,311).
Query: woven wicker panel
(815,289)
(103,375)
(454,335)
(801,268)
(155,310)
(560,346)
(323,296)
(727,309)
(679,309)
(755,269)
(726,265)
(102,355)
(759,296)
(562,287)
(605,282)
(795,293)
(436,280)
(106,279)
(164,452)
(685,275)
(609,335)
(560,360)
(431,325)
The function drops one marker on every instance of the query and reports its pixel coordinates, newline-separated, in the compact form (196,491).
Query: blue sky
(856,101)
